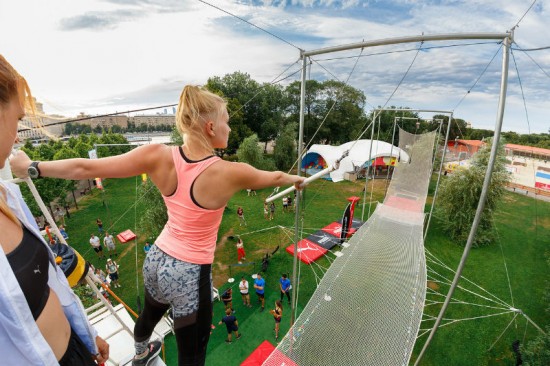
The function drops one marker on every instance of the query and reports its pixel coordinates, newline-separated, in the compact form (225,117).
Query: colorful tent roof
(358,155)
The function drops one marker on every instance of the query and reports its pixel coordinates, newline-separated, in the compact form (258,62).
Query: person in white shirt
(96,244)
(109,242)
(243,287)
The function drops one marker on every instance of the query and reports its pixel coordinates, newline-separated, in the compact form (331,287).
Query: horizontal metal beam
(410,39)
(412,110)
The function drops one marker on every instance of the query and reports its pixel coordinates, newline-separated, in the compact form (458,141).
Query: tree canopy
(459,197)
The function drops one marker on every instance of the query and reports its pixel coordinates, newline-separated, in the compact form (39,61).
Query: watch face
(33,172)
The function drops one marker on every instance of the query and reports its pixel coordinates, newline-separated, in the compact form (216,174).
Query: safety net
(368,306)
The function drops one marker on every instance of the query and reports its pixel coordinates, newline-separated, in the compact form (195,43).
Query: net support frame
(507,38)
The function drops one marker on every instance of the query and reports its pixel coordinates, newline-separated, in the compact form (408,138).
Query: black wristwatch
(33,171)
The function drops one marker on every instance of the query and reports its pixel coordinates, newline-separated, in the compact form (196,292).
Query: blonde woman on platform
(196,185)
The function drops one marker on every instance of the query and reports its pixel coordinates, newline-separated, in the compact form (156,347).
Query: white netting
(368,306)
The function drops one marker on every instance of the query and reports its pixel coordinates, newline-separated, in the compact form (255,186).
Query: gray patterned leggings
(187,288)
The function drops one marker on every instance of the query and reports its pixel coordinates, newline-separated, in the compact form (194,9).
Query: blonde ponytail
(197,106)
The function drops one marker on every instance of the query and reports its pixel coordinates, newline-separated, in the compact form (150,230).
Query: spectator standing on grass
(240,213)
(243,288)
(109,242)
(147,247)
(272,210)
(266,211)
(112,270)
(284,284)
(99,225)
(241,255)
(96,244)
(60,215)
(277,316)
(227,298)
(232,325)
(259,285)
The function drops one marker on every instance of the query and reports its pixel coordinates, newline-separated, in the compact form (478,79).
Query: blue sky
(103,56)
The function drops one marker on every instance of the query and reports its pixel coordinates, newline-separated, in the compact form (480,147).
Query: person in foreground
(196,185)
(43,321)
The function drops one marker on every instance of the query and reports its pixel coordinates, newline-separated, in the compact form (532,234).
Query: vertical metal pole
(439,175)
(391,156)
(374,116)
(370,163)
(298,194)
(484,190)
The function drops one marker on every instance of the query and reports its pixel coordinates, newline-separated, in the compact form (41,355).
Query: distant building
(529,166)
(153,119)
(527,151)
(27,129)
(462,149)
(108,122)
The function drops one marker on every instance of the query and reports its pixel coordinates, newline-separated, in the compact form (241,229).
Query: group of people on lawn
(230,319)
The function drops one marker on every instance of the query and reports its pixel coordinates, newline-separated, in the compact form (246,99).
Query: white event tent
(358,156)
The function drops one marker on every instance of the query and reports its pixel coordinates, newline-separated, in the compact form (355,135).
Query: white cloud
(102,56)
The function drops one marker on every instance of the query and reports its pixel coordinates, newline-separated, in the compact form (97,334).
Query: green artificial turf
(523,224)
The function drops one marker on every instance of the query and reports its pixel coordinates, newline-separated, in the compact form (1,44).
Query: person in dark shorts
(96,244)
(284,284)
(232,325)
(99,225)
(227,298)
(112,270)
(259,285)
(277,316)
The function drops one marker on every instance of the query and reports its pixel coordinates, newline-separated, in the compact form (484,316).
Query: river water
(154,139)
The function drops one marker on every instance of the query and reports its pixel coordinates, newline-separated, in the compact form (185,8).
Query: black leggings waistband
(76,354)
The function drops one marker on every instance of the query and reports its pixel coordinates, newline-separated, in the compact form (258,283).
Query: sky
(104,56)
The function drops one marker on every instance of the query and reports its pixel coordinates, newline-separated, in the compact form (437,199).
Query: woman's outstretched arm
(144,159)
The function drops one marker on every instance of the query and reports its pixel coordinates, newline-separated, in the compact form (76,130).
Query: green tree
(260,108)
(154,216)
(175,137)
(82,149)
(251,153)
(285,151)
(537,351)
(28,145)
(333,111)
(458,127)
(70,185)
(402,117)
(459,196)
(239,130)
(107,137)
(312,117)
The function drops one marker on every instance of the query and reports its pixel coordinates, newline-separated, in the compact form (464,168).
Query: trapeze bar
(397,40)
(306,181)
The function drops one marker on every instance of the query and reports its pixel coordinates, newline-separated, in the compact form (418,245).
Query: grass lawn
(523,224)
